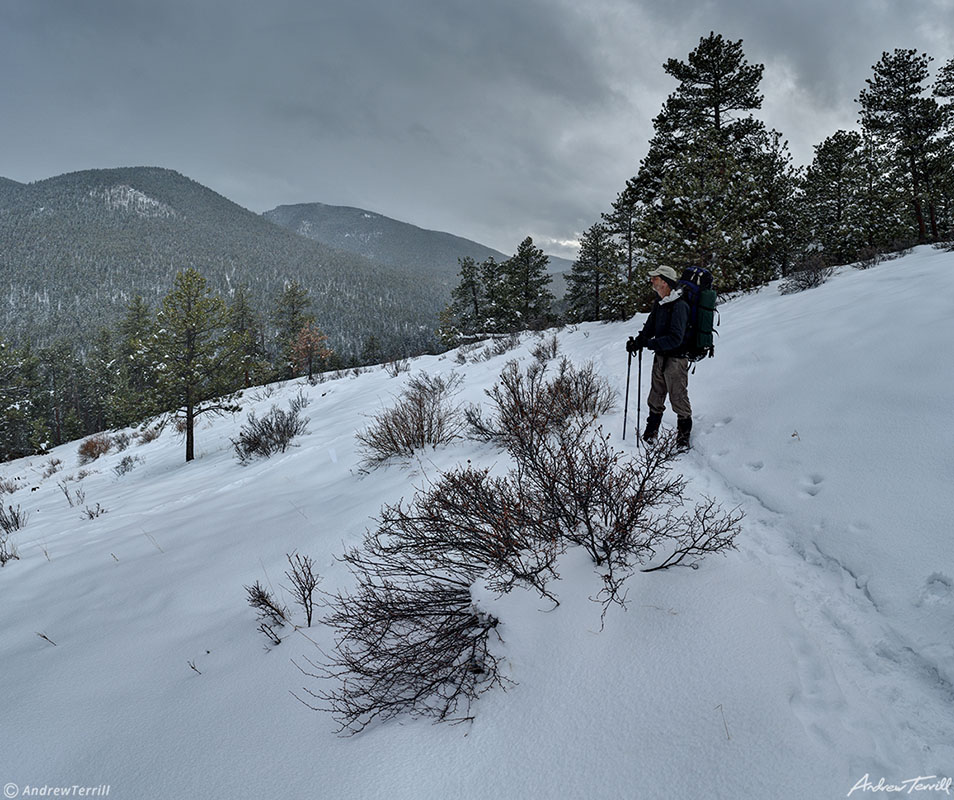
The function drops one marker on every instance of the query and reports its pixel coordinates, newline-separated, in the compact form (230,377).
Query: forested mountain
(76,248)
(388,241)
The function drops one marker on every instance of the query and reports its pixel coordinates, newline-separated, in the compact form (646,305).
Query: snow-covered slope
(820,652)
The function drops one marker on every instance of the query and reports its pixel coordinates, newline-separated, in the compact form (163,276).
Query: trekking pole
(639,394)
(629,364)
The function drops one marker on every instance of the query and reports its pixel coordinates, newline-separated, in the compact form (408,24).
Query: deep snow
(818,653)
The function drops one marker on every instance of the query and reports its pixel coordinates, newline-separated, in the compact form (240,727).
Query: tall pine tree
(895,111)
(529,298)
(594,275)
(292,313)
(715,188)
(199,359)
(833,188)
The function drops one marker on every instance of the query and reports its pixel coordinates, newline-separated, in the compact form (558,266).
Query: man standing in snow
(665,333)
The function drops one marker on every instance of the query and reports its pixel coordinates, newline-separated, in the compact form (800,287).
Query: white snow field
(815,661)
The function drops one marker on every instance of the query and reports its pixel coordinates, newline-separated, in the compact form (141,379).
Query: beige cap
(665,272)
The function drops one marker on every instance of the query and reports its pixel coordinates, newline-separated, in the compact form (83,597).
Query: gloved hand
(631,347)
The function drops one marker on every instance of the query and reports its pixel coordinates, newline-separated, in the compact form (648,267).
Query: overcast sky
(490,119)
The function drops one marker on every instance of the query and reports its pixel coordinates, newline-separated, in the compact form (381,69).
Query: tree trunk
(190,428)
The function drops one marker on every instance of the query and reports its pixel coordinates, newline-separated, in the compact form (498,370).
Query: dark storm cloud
(493,120)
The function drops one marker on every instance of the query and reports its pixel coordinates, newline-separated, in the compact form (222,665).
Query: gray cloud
(493,120)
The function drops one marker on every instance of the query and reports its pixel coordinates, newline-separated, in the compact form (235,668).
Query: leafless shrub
(266,605)
(425,415)
(546,349)
(580,391)
(396,367)
(528,405)
(412,645)
(814,271)
(470,524)
(95,446)
(708,530)
(265,392)
(121,441)
(93,513)
(53,466)
(9,486)
(622,510)
(505,344)
(147,435)
(126,465)
(8,550)
(75,499)
(12,519)
(304,581)
(868,257)
(412,639)
(271,434)
(271,614)
(466,350)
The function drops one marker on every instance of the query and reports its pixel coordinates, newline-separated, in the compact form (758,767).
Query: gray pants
(670,376)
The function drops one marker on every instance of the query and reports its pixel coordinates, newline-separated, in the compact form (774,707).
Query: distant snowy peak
(124,198)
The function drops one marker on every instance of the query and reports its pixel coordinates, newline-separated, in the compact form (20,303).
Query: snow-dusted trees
(499,297)
(944,91)
(849,201)
(527,281)
(595,280)
(291,314)
(896,111)
(715,188)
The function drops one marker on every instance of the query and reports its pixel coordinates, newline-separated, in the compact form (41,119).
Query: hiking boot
(683,429)
(652,427)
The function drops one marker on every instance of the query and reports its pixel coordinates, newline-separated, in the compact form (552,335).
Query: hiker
(665,334)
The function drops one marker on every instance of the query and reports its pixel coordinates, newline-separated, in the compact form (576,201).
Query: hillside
(816,657)
(75,248)
(397,244)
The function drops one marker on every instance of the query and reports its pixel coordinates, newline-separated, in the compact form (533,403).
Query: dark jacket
(665,328)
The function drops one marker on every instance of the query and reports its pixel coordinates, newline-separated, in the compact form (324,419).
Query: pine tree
(60,375)
(529,300)
(311,350)
(714,84)
(98,378)
(23,428)
(248,324)
(594,273)
(895,111)
(468,298)
(944,91)
(292,313)
(132,395)
(497,314)
(371,352)
(831,187)
(884,205)
(715,189)
(623,222)
(199,360)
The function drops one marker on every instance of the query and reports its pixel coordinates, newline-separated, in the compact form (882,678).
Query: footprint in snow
(812,484)
(755,466)
(937,589)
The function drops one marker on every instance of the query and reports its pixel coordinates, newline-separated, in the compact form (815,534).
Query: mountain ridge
(394,242)
(76,247)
